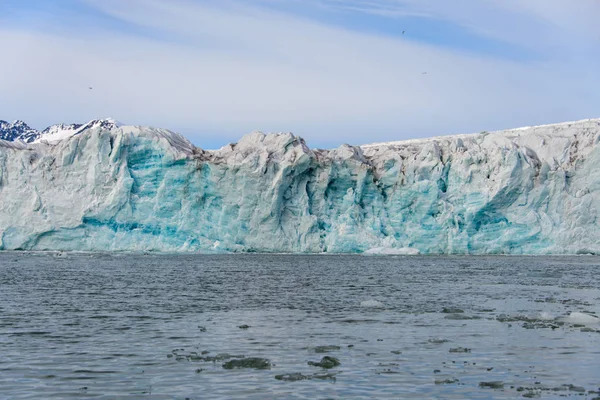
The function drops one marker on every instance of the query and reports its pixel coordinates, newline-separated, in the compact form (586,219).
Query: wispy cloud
(530,23)
(216,70)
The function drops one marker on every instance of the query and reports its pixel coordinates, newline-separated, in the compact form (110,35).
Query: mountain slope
(17,130)
(20,131)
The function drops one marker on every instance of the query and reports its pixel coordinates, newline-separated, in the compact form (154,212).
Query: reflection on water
(277,326)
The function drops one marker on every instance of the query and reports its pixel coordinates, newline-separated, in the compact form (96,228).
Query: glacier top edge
(271,142)
(509,133)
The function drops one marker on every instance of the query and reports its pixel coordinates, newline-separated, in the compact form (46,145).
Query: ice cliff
(524,191)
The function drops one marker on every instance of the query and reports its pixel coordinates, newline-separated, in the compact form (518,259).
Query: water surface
(162,326)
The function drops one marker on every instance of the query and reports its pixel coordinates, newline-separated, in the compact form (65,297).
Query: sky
(331,71)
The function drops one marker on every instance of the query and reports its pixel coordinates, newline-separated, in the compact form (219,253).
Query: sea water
(118,326)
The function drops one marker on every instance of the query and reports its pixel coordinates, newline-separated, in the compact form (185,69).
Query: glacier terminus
(104,186)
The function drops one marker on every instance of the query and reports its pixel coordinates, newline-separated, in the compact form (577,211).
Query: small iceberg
(389,251)
(546,316)
(371,304)
(580,318)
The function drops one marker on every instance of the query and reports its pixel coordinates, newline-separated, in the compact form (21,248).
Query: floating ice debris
(324,376)
(533,393)
(194,357)
(251,362)
(492,385)
(387,371)
(459,317)
(292,377)
(437,341)
(326,362)
(371,304)
(326,349)
(221,357)
(580,318)
(460,350)
(387,251)
(446,381)
(573,388)
(536,391)
(531,322)
(546,316)
(301,377)
(452,310)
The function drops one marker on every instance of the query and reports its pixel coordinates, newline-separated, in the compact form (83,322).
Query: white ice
(110,187)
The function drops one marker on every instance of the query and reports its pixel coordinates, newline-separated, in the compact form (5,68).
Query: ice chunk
(580,318)
(546,316)
(371,304)
(404,251)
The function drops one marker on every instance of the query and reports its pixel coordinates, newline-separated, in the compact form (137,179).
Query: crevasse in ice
(524,191)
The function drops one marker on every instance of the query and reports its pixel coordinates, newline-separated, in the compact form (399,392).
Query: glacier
(109,187)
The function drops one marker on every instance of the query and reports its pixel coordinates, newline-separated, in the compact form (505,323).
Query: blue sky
(332,71)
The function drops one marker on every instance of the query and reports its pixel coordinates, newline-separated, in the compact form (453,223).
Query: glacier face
(524,191)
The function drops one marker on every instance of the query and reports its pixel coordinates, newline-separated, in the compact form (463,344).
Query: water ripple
(163,326)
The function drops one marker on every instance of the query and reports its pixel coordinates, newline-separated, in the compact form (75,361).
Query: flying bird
(403,32)
(423,73)
(90,88)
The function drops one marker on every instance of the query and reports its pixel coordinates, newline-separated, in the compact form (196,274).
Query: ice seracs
(106,186)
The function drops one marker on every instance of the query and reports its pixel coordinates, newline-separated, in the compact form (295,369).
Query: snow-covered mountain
(20,131)
(523,191)
(17,130)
